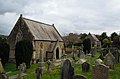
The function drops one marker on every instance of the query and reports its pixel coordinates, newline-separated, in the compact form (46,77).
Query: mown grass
(56,72)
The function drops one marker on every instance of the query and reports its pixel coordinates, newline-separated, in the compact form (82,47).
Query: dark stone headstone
(38,71)
(85,67)
(103,53)
(100,72)
(67,70)
(79,77)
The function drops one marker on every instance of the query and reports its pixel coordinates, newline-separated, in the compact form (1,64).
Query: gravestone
(109,60)
(20,73)
(38,71)
(81,61)
(67,70)
(79,77)
(2,71)
(82,55)
(98,61)
(80,51)
(48,63)
(103,53)
(116,55)
(100,72)
(85,67)
(89,57)
(1,67)
(23,67)
(93,51)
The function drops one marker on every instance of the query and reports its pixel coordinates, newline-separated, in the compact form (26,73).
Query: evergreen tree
(87,45)
(23,52)
(114,35)
(4,52)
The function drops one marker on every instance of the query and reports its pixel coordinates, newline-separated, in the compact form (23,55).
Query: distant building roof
(94,37)
(43,31)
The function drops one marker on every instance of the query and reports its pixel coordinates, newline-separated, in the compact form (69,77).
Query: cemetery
(99,71)
(40,52)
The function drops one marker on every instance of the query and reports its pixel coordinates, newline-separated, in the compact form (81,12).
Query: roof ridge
(36,21)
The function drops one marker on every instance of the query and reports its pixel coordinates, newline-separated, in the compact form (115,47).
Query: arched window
(19,36)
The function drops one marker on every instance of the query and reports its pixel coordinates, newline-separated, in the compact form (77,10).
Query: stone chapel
(46,40)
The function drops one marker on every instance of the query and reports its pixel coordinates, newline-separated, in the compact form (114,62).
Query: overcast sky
(77,16)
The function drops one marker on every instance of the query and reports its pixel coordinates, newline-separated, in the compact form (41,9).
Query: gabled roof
(42,31)
(94,37)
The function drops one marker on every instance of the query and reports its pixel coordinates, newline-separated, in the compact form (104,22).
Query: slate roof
(94,37)
(43,31)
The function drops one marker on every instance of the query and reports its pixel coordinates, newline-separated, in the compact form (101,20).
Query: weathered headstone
(103,53)
(100,72)
(89,57)
(98,61)
(48,63)
(67,70)
(109,60)
(116,55)
(79,77)
(38,71)
(93,51)
(2,71)
(1,67)
(85,67)
(82,54)
(23,67)
(20,73)
(81,61)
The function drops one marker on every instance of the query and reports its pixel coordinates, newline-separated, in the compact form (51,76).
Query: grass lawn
(55,73)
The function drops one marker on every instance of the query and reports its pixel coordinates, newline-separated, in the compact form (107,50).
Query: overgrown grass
(56,72)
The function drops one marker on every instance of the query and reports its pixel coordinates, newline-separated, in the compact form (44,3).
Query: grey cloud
(68,15)
(12,6)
